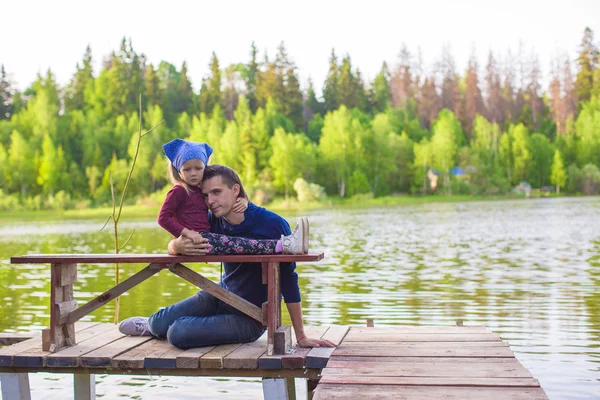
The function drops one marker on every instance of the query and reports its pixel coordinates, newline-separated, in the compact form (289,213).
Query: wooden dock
(425,363)
(396,362)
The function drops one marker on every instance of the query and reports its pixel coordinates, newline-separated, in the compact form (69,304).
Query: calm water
(528,269)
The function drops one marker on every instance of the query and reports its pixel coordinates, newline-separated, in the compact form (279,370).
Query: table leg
(62,304)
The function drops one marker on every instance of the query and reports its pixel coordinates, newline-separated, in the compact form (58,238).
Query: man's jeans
(203,320)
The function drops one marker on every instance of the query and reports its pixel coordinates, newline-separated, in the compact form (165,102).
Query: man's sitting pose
(203,320)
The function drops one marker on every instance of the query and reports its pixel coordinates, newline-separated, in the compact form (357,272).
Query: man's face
(219,197)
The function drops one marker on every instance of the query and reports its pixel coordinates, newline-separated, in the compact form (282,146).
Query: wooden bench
(64,309)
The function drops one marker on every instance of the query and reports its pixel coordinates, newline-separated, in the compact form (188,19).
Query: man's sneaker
(135,326)
(294,243)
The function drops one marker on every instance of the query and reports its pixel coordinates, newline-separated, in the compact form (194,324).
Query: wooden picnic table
(65,311)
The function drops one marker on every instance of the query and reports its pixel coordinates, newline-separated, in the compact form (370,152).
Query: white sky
(37,35)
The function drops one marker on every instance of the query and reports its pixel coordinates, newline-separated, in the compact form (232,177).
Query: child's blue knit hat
(179,151)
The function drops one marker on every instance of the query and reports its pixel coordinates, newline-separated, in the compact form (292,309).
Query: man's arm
(185,246)
(295,310)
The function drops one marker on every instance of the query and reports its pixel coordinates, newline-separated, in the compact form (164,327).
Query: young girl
(185,212)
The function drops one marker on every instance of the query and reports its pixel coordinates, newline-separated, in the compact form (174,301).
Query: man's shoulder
(265,214)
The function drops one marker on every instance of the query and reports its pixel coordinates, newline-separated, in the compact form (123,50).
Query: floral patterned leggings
(221,244)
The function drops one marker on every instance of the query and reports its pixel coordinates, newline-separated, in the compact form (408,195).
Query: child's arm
(193,235)
(241,205)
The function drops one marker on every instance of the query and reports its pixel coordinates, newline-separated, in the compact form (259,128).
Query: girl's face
(192,172)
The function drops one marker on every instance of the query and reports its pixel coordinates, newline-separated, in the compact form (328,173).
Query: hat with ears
(179,151)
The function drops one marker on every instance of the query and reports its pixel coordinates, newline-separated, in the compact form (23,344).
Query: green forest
(481,130)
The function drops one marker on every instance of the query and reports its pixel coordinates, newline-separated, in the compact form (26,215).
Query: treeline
(59,145)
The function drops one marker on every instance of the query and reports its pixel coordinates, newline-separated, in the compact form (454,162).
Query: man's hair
(228,176)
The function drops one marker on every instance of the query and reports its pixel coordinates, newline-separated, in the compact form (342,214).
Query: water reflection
(529,270)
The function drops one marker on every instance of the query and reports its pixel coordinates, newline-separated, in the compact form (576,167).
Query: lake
(527,269)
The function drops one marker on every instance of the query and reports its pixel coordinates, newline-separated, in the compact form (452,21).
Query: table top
(158,258)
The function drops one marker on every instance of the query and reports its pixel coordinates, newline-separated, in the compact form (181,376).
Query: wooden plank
(158,258)
(102,357)
(274,304)
(30,353)
(68,275)
(354,336)
(69,357)
(297,358)
(152,349)
(246,356)
(425,345)
(369,392)
(363,359)
(191,358)
(282,340)
(458,370)
(116,291)
(428,381)
(467,330)
(166,359)
(397,351)
(214,358)
(319,356)
(224,295)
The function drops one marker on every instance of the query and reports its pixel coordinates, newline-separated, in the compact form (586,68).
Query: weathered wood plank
(369,392)
(426,345)
(116,291)
(158,258)
(68,275)
(224,295)
(397,351)
(459,369)
(191,358)
(365,359)
(65,308)
(214,358)
(354,336)
(434,329)
(69,357)
(30,352)
(246,356)
(273,305)
(319,356)
(282,340)
(102,357)
(428,381)
(167,359)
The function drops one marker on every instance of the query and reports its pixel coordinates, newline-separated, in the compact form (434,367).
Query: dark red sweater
(182,210)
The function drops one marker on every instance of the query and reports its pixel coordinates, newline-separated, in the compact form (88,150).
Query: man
(202,319)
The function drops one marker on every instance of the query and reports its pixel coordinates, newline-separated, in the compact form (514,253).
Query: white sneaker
(295,243)
(135,326)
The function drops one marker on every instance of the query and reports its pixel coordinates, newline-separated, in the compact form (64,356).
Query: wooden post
(61,305)
(84,386)
(274,305)
(370,323)
(311,385)
(15,386)
(279,389)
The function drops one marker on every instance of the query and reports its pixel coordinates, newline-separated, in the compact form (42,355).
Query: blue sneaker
(135,326)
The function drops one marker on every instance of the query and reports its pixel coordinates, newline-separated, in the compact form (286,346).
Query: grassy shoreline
(278,205)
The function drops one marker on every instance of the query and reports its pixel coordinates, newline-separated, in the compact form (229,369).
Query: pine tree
(210,92)
(586,62)
(473,98)
(75,96)
(185,93)
(380,90)
(429,105)
(331,90)
(493,99)
(250,78)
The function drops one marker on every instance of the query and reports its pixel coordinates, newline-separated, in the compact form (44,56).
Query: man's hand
(187,247)
(308,342)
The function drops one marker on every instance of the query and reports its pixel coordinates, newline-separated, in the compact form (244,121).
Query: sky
(38,35)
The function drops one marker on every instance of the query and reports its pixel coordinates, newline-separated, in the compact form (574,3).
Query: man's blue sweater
(245,279)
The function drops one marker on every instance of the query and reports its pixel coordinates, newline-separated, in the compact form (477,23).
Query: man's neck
(234,218)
